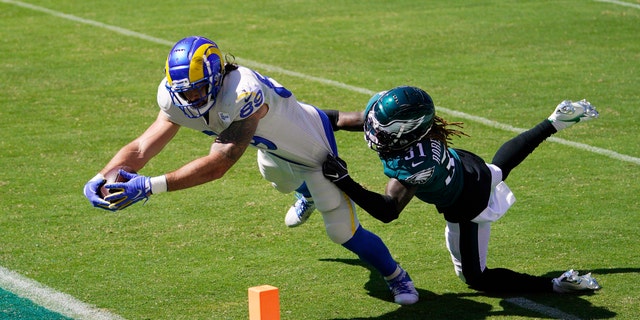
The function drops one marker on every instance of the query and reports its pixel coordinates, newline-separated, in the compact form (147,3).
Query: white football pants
(338,210)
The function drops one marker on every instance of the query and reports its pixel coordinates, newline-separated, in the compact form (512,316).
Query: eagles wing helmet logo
(399,127)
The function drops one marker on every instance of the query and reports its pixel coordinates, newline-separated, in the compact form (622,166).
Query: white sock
(394,274)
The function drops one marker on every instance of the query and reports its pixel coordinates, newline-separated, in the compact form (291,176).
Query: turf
(73,93)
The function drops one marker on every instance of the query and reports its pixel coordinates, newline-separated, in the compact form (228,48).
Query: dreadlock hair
(440,131)
(230,64)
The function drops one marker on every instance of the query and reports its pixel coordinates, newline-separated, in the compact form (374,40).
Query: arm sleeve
(381,207)
(333,118)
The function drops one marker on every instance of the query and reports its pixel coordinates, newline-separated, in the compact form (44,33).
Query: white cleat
(300,211)
(572,282)
(567,113)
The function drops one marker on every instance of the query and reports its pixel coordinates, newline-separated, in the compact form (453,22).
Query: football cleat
(567,113)
(572,282)
(404,293)
(300,211)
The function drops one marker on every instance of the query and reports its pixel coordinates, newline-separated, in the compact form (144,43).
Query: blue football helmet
(194,71)
(397,118)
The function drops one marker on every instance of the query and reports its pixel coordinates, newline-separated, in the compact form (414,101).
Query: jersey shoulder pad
(163,97)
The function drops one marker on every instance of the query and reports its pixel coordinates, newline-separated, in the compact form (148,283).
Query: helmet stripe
(216,51)
(196,67)
(166,71)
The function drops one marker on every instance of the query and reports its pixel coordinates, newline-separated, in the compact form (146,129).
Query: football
(113,176)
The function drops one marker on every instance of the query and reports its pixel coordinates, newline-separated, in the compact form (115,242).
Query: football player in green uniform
(413,144)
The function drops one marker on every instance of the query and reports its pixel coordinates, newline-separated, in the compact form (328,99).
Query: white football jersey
(291,130)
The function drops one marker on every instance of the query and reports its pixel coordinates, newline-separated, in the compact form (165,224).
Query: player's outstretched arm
(348,121)
(225,152)
(351,121)
(133,155)
(385,208)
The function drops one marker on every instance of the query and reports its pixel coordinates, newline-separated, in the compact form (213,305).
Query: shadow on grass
(458,306)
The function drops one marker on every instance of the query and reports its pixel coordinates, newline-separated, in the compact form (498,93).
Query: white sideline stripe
(270,68)
(53,300)
(542,309)
(622,3)
(89,22)
(577,145)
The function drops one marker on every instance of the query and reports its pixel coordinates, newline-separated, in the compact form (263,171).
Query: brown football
(113,176)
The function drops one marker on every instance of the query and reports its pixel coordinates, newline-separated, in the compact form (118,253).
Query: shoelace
(400,286)
(304,206)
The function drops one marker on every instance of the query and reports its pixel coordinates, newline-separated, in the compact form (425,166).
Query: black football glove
(334,168)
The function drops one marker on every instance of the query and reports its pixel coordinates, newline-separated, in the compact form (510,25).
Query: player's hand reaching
(124,194)
(92,192)
(334,168)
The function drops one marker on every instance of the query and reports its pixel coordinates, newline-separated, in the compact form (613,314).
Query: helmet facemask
(398,118)
(194,99)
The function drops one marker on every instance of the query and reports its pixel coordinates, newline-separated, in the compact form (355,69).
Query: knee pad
(342,222)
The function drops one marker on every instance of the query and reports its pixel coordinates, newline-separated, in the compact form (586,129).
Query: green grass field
(79,80)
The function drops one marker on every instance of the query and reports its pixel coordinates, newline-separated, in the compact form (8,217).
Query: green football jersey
(431,166)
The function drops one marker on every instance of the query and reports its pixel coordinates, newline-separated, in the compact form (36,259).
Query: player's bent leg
(452,239)
(567,113)
(370,249)
(514,151)
(285,179)
(474,241)
(343,227)
(279,172)
(341,223)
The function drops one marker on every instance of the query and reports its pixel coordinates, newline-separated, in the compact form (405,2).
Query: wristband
(158,184)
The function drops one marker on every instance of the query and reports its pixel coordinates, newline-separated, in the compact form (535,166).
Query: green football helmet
(397,118)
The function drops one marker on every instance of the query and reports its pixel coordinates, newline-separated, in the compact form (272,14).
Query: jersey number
(450,164)
(256,100)
(277,88)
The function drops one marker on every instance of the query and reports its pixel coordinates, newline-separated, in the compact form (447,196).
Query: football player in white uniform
(242,108)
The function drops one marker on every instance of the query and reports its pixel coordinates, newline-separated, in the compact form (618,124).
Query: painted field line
(53,300)
(620,3)
(540,308)
(270,68)
(577,145)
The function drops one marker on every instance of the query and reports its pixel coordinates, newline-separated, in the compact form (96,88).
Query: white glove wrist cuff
(158,184)
(98,177)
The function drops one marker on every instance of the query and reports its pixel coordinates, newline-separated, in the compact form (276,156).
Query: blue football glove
(124,194)
(91,191)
